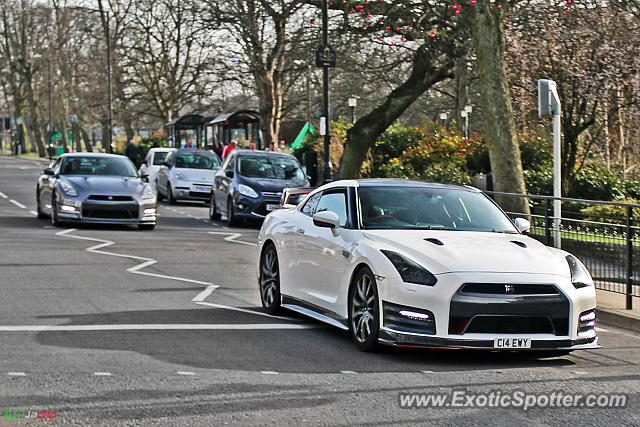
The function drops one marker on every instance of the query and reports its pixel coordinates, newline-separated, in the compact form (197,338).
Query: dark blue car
(249,184)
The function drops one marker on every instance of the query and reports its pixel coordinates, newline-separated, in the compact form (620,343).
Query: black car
(249,184)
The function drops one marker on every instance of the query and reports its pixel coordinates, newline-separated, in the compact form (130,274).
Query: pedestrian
(229,148)
(272,147)
(132,152)
(188,144)
(218,149)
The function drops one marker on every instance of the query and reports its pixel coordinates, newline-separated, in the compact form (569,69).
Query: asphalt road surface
(111,325)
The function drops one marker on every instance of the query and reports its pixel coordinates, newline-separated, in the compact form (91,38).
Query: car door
(163,175)
(323,256)
(47,183)
(222,182)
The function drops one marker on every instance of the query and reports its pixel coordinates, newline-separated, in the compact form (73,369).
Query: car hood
(271,185)
(198,175)
(470,251)
(108,185)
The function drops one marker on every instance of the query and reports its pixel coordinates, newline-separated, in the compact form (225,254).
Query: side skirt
(313,311)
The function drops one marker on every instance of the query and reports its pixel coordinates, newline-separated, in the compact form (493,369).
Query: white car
(413,264)
(187,174)
(153,162)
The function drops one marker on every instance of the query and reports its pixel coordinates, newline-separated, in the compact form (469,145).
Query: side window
(230,163)
(169,158)
(335,202)
(310,207)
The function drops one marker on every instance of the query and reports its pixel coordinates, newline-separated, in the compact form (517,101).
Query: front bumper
(192,191)
(131,212)
(548,312)
(256,208)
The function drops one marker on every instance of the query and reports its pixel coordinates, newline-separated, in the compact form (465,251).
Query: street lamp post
(325,58)
(353,102)
(105,18)
(443,117)
(467,119)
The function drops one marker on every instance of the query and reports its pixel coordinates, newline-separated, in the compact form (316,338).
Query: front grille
(110,213)
(408,319)
(108,198)
(587,321)
(500,307)
(508,289)
(271,194)
(484,324)
(261,209)
(199,195)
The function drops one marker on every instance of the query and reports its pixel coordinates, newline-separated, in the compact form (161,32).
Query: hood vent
(521,244)
(434,241)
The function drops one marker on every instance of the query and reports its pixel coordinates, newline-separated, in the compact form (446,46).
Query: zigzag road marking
(231,237)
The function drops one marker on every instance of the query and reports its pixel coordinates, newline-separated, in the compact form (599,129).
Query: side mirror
(144,163)
(327,219)
(523,225)
(229,173)
(144,175)
(49,171)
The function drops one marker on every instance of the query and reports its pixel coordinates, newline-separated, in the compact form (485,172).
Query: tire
(213,214)
(364,311)
(269,280)
(170,199)
(41,215)
(54,212)
(232,219)
(146,226)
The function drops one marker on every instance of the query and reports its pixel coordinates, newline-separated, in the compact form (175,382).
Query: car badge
(509,289)
(110,197)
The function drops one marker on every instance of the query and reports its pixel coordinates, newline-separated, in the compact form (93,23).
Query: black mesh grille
(508,289)
(110,198)
(110,213)
(510,325)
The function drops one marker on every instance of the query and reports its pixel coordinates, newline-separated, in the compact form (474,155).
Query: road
(111,325)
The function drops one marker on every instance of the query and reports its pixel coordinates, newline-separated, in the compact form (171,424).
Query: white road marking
(146,261)
(17,374)
(34,213)
(185,373)
(155,327)
(102,374)
(4,196)
(269,372)
(204,294)
(601,329)
(348,372)
(232,236)
(18,204)
(427,372)
(580,372)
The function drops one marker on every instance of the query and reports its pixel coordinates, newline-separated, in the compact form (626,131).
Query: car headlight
(68,189)
(409,270)
(147,193)
(245,190)
(181,177)
(580,277)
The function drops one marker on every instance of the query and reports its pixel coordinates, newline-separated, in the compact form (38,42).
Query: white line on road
(269,372)
(232,236)
(34,213)
(146,261)
(204,294)
(16,374)
(4,196)
(348,372)
(18,204)
(185,373)
(102,374)
(155,327)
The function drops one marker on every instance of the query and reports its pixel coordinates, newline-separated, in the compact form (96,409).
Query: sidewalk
(611,309)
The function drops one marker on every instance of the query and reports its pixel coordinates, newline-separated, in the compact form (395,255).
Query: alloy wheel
(270,281)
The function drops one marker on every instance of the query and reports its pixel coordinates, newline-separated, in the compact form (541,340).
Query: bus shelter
(190,126)
(243,126)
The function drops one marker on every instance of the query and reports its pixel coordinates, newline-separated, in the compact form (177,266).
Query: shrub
(611,214)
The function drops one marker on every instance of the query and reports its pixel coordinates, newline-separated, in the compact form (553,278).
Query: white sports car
(408,263)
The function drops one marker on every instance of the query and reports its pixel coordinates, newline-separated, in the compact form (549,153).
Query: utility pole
(326,58)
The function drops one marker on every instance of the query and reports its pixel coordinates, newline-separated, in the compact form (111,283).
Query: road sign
(73,118)
(325,57)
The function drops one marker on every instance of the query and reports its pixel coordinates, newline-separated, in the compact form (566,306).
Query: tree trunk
(368,128)
(499,126)
(270,109)
(87,140)
(35,117)
(462,80)
(63,134)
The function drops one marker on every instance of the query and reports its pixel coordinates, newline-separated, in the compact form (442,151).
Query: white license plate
(273,207)
(202,188)
(512,342)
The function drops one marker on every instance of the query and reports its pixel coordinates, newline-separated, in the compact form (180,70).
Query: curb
(618,318)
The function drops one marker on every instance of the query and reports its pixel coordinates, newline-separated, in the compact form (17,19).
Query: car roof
(84,154)
(192,150)
(260,153)
(395,182)
(157,149)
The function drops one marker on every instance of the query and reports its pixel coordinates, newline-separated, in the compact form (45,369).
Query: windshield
(159,157)
(93,165)
(270,167)
(430,209)
(197,160)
